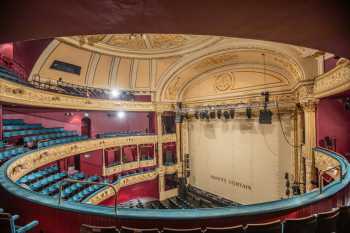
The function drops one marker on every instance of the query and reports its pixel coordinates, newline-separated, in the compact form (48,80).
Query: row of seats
(22,127)
(7,122)
(54,188)
(8,224)
(335,221)
(8,134)
(46,181)
(11,76)
(61,141)
(215,199)
(50,136)
(37,175)
(12,152)
(2,144)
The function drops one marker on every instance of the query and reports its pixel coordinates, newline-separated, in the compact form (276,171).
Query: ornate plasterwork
(36,159)
(177,80)
(126,181)
(333,82)
(168,138)
(142,45)
(14,93)
(107,171)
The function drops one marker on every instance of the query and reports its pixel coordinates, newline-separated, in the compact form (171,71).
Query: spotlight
(115,93)
(196,115)
(204,115)
(347,104)
(265,116)
(86,114)
(248,112)
(121,114)
(219,114)
(226,115)
(212,115)
(232,113)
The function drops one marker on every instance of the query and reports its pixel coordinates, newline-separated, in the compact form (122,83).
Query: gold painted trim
(15,93)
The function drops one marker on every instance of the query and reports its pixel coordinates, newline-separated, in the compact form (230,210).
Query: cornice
(15,93)
(35,159)
(334,81)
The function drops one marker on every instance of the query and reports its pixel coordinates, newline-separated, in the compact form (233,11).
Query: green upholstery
(31,132)
(61,141)
(49,136)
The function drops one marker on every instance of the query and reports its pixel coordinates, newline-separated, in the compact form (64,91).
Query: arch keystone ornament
(225,81)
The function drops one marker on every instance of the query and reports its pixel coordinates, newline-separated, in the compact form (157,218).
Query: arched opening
(86,127)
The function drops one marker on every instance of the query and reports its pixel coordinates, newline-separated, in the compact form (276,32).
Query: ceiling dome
(142,45)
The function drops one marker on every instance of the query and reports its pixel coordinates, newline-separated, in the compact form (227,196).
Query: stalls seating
(235,229)
(7,224)
(270,227)
(137,230)
(300,225)
(343,224)
(12,152)
(327,221)
(94,229)
(172,230)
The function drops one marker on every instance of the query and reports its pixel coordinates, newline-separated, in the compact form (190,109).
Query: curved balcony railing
(334,194)
(255,209)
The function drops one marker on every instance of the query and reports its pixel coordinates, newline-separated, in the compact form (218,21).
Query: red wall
(26,53)
(147,189)
(334,121)
(91,163)
(100,121)
(6,50)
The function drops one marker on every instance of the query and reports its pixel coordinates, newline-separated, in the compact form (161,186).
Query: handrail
(89,182)
(285,205)
(320,175)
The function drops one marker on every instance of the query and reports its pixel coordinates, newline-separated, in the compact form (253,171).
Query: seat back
(300,225)
(84,228)
(269,227)
(343,223)
(327,221)
(138,230)
(190,230)
(235,229)
(6,224)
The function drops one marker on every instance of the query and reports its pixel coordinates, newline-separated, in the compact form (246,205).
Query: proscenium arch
(189,61)
(270,71)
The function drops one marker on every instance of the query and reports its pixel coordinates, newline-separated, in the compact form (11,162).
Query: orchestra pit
(174,117)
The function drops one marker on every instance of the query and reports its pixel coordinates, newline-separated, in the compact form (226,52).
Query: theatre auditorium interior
(153,116)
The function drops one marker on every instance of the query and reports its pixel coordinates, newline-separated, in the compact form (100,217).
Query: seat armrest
(15,217)
(27,227)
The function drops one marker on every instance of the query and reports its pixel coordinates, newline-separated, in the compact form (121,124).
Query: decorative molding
(126,181)
(145,46)
(15,93)
(107,171)
(31,161)
(333,82)
(168,138)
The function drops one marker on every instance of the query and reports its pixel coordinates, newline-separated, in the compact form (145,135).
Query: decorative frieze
(15,93)
(335,81)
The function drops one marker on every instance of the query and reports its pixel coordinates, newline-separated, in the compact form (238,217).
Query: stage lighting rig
(265,116)
(226,115)
(232,113)
(248,112)
(218,114)
(212,115)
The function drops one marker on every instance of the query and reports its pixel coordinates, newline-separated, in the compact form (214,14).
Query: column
(309,108)
(179,154)
(160,157)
